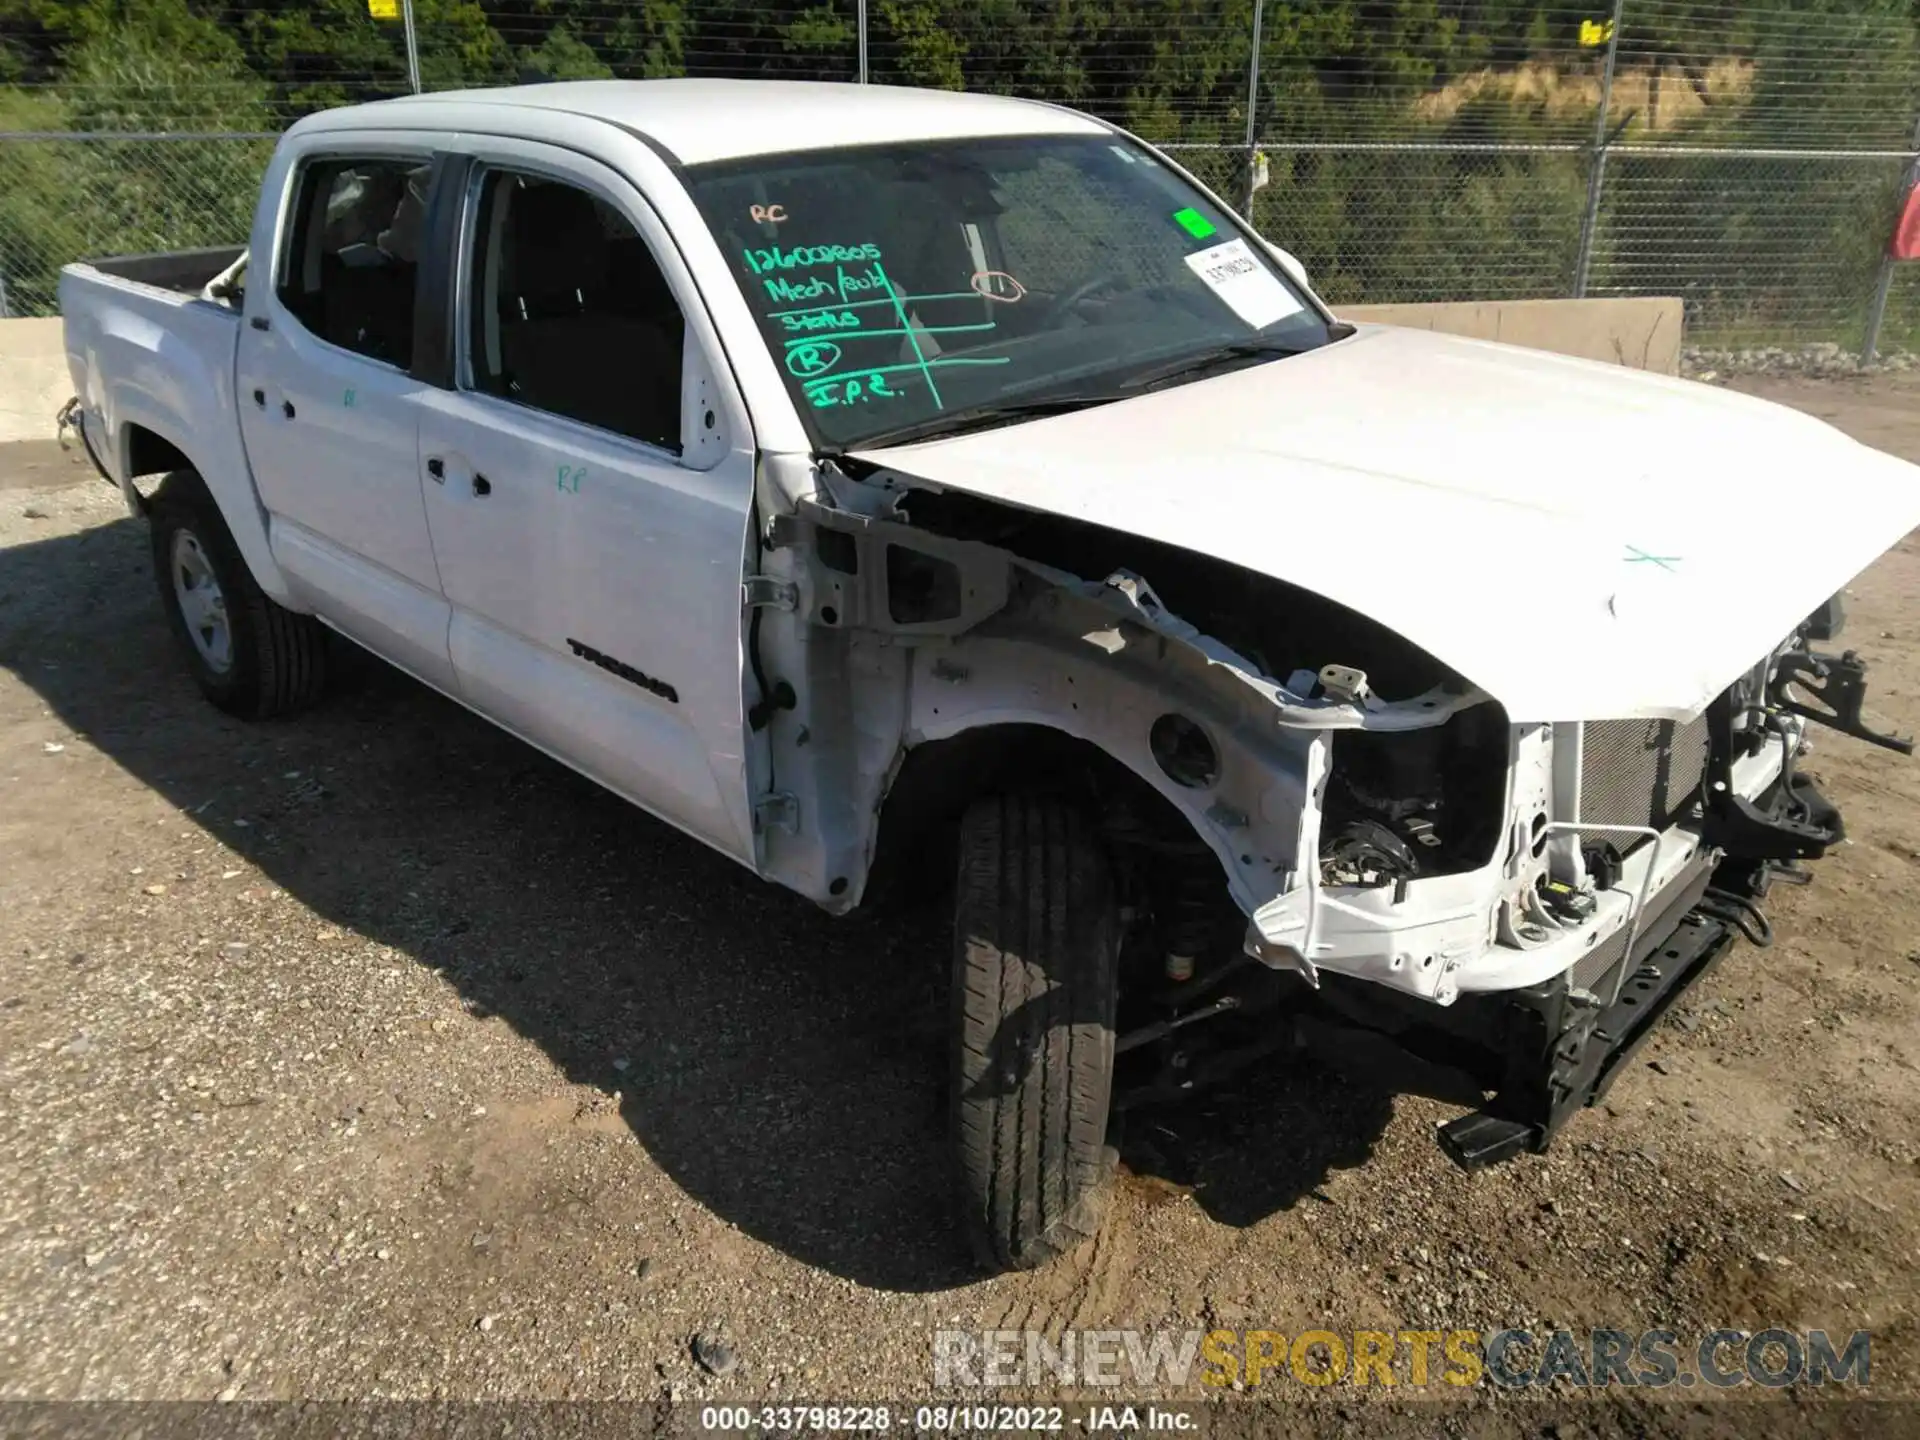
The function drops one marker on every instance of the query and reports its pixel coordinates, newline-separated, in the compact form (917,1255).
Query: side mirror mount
(704,438)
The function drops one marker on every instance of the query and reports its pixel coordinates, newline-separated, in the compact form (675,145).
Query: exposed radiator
(1641,772)
(1589,968)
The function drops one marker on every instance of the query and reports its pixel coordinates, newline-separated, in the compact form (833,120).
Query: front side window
(352,259)
(904,289)
(570,312)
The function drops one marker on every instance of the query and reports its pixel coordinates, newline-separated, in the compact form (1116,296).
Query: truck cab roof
(699,121)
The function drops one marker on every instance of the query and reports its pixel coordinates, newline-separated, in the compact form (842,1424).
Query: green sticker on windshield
(1194,223)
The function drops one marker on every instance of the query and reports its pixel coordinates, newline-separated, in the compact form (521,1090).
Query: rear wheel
(249,656)
(1036,938)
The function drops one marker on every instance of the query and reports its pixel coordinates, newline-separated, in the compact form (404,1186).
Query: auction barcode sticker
(1249,288)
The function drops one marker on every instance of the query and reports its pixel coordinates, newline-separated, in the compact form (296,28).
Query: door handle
(260,322)
(482,486)
(260,398)
(286,408)
(437,468)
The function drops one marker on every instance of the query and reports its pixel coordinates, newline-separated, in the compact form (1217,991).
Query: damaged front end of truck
(1327,840)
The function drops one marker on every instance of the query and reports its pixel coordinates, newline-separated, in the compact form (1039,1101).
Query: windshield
(905,287)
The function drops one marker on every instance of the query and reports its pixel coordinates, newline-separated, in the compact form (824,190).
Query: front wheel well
(916,844)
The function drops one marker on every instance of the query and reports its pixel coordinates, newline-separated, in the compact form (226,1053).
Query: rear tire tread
(279,657)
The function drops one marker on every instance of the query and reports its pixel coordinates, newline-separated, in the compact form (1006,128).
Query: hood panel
(1580,540)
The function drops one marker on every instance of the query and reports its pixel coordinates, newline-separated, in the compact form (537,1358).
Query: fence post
(1253,99)
(1597,163)
(863,40)
(5,314)
(413,45)
(1877,308)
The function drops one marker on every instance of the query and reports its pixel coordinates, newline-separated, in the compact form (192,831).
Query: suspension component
(1191,909)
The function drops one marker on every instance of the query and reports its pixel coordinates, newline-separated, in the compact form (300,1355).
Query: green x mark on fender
(1635,555)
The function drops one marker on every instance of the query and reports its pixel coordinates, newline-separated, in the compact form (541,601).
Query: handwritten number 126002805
(833,296)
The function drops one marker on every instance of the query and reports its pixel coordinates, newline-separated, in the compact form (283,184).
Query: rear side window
(570,313)
(352,262)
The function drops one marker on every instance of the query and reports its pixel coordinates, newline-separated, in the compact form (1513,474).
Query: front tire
(1036,941)
(249,656)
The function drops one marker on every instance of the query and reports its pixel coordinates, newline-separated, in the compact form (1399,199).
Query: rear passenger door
(329,401)
(589,521)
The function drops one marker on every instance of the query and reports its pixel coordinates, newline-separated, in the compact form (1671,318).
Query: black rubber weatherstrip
(434,305)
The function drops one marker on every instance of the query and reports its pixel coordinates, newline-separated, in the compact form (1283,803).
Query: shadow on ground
(784,1068)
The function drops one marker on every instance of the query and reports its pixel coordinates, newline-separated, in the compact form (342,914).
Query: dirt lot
(374,1054)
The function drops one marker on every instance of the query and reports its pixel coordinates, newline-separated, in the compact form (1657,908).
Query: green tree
(564,56)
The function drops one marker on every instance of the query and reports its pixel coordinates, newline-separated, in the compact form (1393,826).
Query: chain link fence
(1750,160)
(121,194)
(1763,246)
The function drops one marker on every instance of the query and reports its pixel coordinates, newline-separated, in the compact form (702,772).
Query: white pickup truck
(886,483)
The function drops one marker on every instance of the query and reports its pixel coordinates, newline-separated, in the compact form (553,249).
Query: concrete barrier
(33,378)
(1643,333)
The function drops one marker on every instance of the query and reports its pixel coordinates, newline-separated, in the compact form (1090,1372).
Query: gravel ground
(373,1054)
(1816,362)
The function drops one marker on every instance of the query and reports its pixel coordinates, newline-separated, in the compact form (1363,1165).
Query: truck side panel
(162,361)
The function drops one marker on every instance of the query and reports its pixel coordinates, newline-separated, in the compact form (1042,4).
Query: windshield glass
(903,287)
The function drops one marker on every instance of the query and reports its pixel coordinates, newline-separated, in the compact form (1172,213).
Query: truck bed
(152,364)
(183,271)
